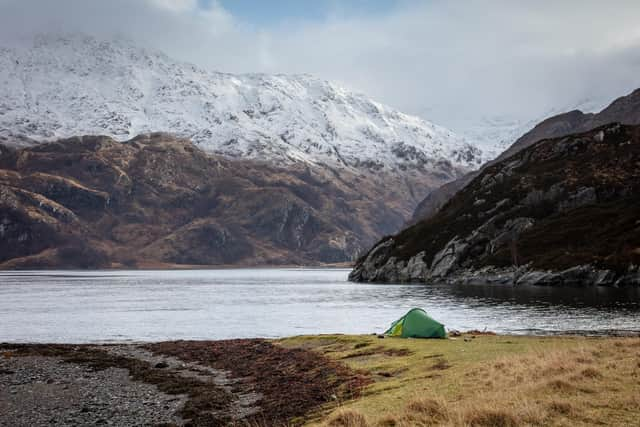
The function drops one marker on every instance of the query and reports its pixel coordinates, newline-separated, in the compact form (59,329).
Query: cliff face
(625,110)
(563,211)
(157,200)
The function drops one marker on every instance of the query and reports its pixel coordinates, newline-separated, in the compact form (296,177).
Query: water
(55,306)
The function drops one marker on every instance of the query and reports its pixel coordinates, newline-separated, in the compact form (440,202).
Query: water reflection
(616,298)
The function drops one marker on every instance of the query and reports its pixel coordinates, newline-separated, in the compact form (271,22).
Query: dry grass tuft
(491,418)
(428,409)
(564,387)
(591,373)
(348,418)
(561,408)
(561,386)
(388,421)
(440,365)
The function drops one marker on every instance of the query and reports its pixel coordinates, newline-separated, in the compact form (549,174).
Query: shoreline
(315,379)
(604,333)
(618,333)
(182,267)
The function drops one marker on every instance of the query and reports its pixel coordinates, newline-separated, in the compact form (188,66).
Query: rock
(445,260)
(415,270)
(582,197)
(369,268)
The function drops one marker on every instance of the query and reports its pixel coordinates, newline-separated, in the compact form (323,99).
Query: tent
(416,324)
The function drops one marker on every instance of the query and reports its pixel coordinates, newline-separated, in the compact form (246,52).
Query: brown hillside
(159,201)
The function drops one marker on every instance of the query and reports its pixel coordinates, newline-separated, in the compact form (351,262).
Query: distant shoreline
(183,267)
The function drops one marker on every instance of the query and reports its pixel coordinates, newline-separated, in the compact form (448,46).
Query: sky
(269,14)
(452,62)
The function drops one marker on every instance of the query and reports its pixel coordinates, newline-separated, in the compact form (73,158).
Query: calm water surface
(55,306)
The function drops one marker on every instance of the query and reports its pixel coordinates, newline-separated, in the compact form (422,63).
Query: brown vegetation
(157,200)
(292,382)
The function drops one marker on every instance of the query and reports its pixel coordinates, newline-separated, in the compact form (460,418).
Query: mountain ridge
(624,109)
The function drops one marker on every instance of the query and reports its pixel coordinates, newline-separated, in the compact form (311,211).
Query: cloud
(448,60)
(177,5)
(180,26)
(477,57)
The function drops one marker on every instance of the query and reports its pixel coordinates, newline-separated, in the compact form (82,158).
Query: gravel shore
(44,391)
(192,383)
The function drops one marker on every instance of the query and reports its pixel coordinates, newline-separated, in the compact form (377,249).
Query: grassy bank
(485,380)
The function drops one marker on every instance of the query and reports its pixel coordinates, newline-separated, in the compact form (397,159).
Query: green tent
(416,324)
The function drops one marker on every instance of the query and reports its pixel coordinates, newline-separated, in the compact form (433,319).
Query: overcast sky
(445,60)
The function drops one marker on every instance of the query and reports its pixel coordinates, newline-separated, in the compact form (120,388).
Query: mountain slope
(359,166)
(563,211)
(157,200)
(76,85)
(625,109)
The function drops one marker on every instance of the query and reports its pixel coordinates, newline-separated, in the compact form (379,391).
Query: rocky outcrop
(625,110)
(158,200)
(578,276)
(563,212)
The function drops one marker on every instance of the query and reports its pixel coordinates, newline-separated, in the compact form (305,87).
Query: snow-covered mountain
(64,86)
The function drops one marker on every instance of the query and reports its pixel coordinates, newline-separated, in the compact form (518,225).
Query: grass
(485,381)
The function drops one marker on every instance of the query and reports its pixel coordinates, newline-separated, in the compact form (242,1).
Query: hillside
(157,200)
(63,86)
(563,211)
(625,110)
(289,153)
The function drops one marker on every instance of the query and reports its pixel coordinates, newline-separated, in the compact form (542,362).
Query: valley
(224,213)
